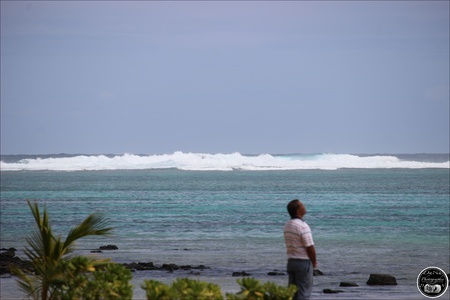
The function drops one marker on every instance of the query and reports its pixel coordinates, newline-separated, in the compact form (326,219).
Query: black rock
(9,249)
(348,284)
(109,247)
(145,266)
(276,273)
(8,254)
(201,267)
(8,260)
(381,279)
(141,266)
(238,274)
(170,267)
(330,291)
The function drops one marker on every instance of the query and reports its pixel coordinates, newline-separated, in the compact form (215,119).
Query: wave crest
(218,162)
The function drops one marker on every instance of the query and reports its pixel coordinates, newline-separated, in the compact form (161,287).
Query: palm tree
(50,254)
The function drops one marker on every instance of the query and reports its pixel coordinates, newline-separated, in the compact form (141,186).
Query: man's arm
(312,255)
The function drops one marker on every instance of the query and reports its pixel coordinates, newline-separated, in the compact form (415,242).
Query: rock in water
(238,274)
(109,247)
(348,284)
(381,279)
(8,260)
(276,273)
(330,291)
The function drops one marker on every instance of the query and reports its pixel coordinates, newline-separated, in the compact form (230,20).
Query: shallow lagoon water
(393,221)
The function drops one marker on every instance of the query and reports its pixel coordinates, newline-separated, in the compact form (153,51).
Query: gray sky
(152,77)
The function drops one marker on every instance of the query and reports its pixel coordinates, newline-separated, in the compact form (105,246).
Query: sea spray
(222,162)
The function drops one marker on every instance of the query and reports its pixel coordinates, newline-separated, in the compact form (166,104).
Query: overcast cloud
(220,77)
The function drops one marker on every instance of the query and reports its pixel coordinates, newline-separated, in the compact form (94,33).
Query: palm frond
(27,284)
(48,253)
(42,237)
(94,224)
(35,212)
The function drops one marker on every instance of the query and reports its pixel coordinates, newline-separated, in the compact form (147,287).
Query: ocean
(382,213)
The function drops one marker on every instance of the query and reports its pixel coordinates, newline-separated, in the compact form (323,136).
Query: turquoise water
(364,221)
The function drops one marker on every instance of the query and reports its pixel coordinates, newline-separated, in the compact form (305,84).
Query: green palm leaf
(94,224)
(48,253)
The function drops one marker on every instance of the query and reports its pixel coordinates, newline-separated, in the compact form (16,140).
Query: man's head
(296,209)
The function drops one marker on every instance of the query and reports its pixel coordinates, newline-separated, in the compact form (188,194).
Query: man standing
(300,251)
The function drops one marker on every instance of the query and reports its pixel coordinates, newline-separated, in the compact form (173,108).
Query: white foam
(220,162)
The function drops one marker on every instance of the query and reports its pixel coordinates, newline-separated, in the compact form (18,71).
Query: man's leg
(301,274)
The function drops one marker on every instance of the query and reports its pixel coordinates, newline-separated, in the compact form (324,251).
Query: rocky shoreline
(9,260)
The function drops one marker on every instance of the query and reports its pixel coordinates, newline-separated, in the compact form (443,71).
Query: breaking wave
(221,162)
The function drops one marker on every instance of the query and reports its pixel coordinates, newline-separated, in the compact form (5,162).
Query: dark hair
(292,207)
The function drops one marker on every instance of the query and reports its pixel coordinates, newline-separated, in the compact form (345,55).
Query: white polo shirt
(298,237)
